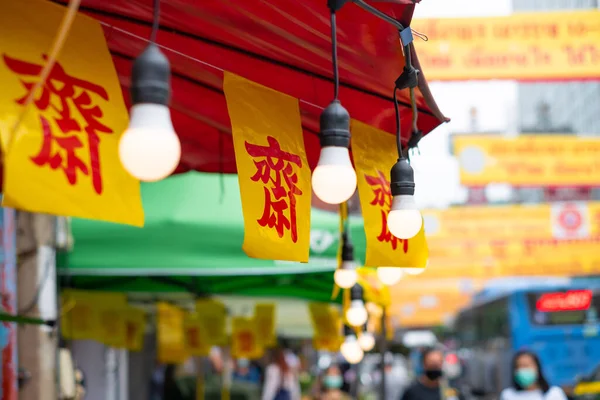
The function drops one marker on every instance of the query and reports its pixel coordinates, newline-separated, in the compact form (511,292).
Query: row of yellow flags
(109,319)
(64,158)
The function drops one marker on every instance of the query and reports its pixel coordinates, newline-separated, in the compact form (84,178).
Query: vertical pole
(199,378)
(38,349)
(111,373)
(8,288)
(382,351)
(227,374)
(123,359)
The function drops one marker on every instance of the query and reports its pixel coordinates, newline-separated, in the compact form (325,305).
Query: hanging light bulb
(404,220)
(389,275)
(149,149)
(346,276)
(366,340)
(334,178)
(356,314)
(351,349)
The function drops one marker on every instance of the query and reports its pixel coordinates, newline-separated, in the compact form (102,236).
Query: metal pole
(8,289)
(382,351)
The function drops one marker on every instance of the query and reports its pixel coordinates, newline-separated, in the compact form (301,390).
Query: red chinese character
(383,199)
(61,96)
(275,168)
(246,341)
(193,337)
(131,332)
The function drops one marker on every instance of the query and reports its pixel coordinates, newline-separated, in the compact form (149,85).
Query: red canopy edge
(284,45)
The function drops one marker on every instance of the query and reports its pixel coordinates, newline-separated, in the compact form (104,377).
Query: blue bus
(559,323)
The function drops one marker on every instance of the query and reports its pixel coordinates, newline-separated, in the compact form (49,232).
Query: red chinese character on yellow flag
(68,112)
(246,341)
(383,199)
(193,338)
(275,168)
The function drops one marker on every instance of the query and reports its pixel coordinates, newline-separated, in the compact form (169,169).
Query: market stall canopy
(192,241)
(284,45)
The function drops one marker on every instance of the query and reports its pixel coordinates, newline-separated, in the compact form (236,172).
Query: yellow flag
(135,326)
(64,158)
(213,315)
(326,324)
(326,320)
(331,344)
(170,337)
(196,338)
(113,326)
(273,170)
(374,290)
(83,318)
(244,339)
(264,316)
(374,153)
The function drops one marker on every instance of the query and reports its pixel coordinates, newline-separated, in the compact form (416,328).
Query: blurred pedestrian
(529,382)
(245,371)
(432,385)
(281,380)
(332,382)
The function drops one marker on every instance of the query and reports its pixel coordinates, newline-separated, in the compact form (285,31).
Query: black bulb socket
(402,178)
(347,248)
(356,292)
(348,331)
(409,78)
(335,126)
(151,77)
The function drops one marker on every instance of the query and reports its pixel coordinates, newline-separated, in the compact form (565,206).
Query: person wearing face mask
(529,382)
(431,385)
(332,382)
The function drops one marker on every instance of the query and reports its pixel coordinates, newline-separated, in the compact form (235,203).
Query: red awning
(282,44)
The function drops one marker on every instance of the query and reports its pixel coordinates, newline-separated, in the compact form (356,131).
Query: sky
(436,170)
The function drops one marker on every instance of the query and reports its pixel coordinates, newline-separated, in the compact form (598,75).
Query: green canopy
(192,241)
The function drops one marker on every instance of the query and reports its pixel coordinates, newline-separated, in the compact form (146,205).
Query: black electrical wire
(155,21)
(334,57)
(398,130)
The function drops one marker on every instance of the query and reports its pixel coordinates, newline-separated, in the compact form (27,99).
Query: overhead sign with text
(525,46)
(528,160)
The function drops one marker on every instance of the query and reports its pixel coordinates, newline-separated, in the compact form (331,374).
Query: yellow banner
(528,160)
(244,339)
(64,159)
(550,45)
(273,171)
(327,323)
(170,334)
(135,327)
(331,344)
(325,319)
(264,316)
(84,313)
(374,154)
(374,291)
(113,326)
(213,315)
(427,307)
(196,337)
(569,220)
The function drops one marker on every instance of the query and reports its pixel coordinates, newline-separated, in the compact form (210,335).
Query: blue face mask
(243,363)
(526,377)
(333,381)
